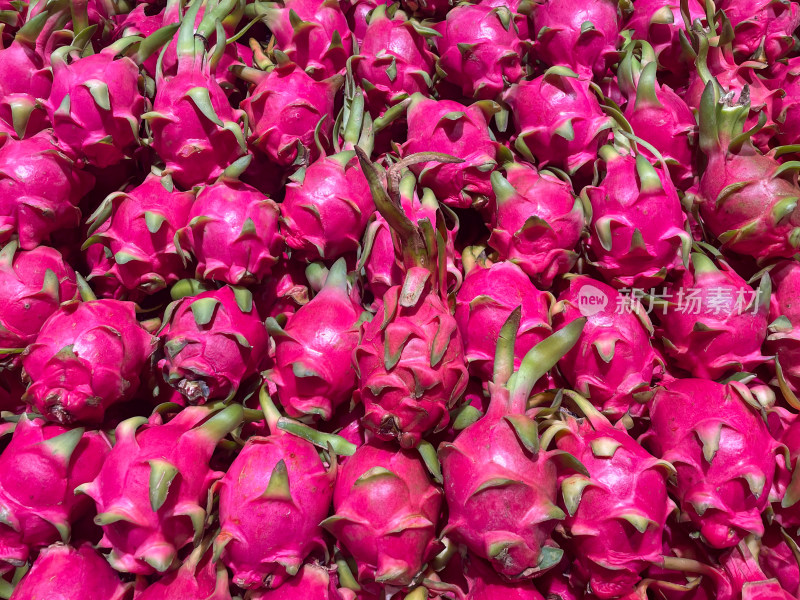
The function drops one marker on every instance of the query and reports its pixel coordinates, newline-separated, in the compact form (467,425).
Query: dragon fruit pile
(399,299)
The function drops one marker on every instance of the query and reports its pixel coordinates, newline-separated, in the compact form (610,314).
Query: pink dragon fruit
(449,127)
(723,454)
(39,190)
(385,513)
(428,8)
(786,76)
(313,34)
(64,573)
(284,292)
(784,314)
(715,323)
(410,358)
(621,504)
(379,257)
(394,61)
(284,110)
(485,300)
(145,19)
(661,24)
(485,584)
(39,471)
(145,519)
(232,232)
(613,364)
(213,344)
(777,556)
(538,222)
(558,120)
(762,30)
(638,234)
(271,502)
(326,208)
(410,363)
(95,104)
(138,229)
(312,581)
(25,76)
(87,357)
(480,50)
(747,577)
(496,467)
(198,578)
(659,116)
(716,65)
(584,40)
(313,351)
(196,131)
(785,427)
(746,199)
(33,283)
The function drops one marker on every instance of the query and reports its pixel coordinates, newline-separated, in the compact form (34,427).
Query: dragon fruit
(661,24)
(622,503)
(486,298)
(196,131)
(213,343)
(499,484)
(746,200)
(659,116)
(198,577)
(410,358)
(784,314)
(39,190)
(282,294)
(558,120)
(461,131)
(312,581)
(145,519)
(143,20)
(786,76)
(638,235)
(538,222)
(484,583)
(95,104)
(284,110)
(39,471)
(584,40)
(723,454)
(232,232)
(613,363)
(385,513)
(313,351)
(784,427)
(480,50)
(379,256)
(777,556)
(138,228)
(26,78)
(394,61)
(271,502)
(33,283)
(313,34)
(87,357)
(762,30)
(64,573)
(410,364)
(715,65)
(326,208)
(715,322)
